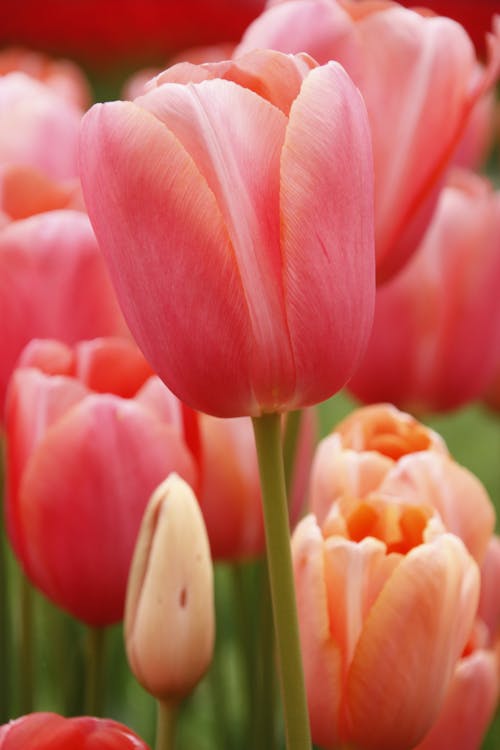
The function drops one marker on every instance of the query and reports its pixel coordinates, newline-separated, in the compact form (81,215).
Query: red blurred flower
(85,450)
(46,731)
(100,32)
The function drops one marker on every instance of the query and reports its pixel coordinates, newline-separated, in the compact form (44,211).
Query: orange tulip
(386,603)
(381,450)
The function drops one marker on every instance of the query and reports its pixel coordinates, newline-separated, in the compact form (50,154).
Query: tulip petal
(220,125)
(327,230)
(320,655)
(68,507)
(161,281)
(411,640)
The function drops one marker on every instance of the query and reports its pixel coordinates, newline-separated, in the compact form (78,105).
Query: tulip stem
(166,720)
(267,431)
(265,712)
(94,671)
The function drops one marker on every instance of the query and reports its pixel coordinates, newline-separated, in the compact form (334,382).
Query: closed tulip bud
(169,614)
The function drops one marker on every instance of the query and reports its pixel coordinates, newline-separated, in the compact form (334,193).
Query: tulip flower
(25,191)
(386,604)
(85,449)
(62,76)
(436,336)
(38,127)
(379,449)
(53,283)
(169,616)
(46,731)
(119,32)
(233,205)
(418,95)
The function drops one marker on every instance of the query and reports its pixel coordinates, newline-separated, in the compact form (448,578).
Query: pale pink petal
(411,641)
(320,655)
(337,472)
(469,706)
(458,496)
(327,231)
(161,281)
(220,125)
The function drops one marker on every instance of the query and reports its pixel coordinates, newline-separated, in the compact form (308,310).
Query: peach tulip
(436,335)
(25,191)
(233,203)
(38,127)
(169,614)
(53,283)
(386,603)
(419,94)
(379,449)
(85,451)
(47,731)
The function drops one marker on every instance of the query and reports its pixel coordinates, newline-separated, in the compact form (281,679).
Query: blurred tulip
(84,453)
(245,175)
(230,495)
(46,731)
(38,127)
(25,191)
(489,602)
(475,17)
(418,93)
(169,615)
(53,283)
(62,76)
(386,604)
(478,137)
(491,394)
(120,32)
(436,335)
(378,449)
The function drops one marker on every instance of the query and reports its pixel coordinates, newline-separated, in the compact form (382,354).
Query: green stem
(166,720)
(264,725)
(27,642)
(290,440)
(244,632)
(267,431)
(94,671)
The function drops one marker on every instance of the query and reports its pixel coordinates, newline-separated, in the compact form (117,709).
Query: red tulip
(233,204)
(436,335)
(53,283)
(418,93)
(45,731)
(386,602)
(123,31)
(84,453)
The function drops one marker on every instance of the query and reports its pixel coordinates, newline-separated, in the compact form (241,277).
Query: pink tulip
(46,731)
(38,127)
(386,602)
(436,336)
(84,453)
(233,204)
(25,191)
(62,76)
(419,94)
(230,495)
(489,601)
(53,283)
(380,450)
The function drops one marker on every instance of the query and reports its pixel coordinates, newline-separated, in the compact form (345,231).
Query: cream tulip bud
(169,613)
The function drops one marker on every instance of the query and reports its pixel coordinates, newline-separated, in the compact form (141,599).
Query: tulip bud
(169,613)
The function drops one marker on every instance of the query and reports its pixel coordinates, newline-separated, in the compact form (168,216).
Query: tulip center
(400,527)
